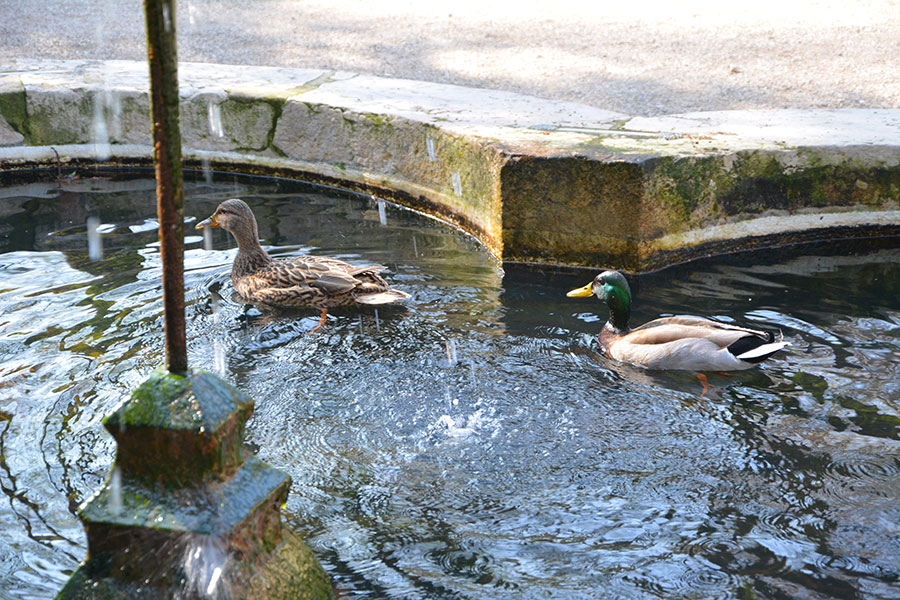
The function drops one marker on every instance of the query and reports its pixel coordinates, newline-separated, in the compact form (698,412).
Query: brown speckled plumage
(304,281)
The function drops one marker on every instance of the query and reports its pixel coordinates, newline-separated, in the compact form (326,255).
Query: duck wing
(672,329)
(329,275)
(317,281)
(693,343)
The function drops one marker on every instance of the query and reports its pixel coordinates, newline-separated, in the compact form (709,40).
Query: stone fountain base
(188,512)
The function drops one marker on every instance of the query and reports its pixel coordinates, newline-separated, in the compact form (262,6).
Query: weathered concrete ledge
(535,181)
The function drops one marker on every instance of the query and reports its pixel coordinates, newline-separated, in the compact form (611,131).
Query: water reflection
(472,444)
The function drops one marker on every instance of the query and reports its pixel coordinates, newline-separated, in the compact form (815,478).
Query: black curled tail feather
(748,343)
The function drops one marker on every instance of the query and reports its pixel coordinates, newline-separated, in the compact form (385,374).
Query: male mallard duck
(302,281)
(685,343)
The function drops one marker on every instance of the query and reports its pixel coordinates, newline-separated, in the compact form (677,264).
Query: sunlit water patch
(471,444)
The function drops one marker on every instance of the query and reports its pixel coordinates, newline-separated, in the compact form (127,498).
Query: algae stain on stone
(60,118)
(252,122)
(378,121)
(692,193)
(682,192)
(14,109)
(277,105)
(571,209)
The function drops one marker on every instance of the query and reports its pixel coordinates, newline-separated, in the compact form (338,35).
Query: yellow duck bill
(582,292)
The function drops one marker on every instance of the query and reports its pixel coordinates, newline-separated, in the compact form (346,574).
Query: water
(472,444)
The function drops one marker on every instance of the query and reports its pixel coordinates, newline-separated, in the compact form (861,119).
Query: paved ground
(639,58)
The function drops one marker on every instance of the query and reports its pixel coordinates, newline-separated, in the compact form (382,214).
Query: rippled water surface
(472,444)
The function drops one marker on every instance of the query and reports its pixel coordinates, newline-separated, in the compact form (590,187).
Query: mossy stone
(178,428)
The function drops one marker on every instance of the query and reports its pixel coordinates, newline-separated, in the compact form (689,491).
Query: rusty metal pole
(163,59)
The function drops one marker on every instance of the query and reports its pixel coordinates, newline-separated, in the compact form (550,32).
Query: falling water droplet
(95,242)
(448,397)
(99,132)
(114,108)
(99,31)
(207,172)
(451,352)
(218,357)
(457,184)
(192,11)
(115,493)
(167,18)
(207,238)
(382,217)
(214,306)
(214,112)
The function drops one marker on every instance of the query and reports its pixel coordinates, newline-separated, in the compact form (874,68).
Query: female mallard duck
(302,281)
(685,343)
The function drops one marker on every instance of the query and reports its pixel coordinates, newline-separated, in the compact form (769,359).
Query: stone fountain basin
(535,181)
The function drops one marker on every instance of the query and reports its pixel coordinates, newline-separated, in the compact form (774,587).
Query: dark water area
(471,444)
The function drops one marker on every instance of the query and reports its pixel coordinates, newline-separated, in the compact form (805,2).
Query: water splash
(205,562)
(459,428)
(95,241)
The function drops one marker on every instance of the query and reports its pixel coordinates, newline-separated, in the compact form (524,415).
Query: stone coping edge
(535,181)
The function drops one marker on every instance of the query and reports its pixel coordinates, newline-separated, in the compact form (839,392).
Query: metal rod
(163,60)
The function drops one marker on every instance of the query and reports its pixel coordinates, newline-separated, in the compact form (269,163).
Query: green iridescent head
(612,288)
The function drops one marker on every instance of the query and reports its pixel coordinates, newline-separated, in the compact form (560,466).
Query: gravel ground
(639,58)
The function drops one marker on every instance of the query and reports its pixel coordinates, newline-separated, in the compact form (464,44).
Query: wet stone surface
(534,180)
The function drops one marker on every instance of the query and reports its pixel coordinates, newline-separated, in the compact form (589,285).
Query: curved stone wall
(535,181)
